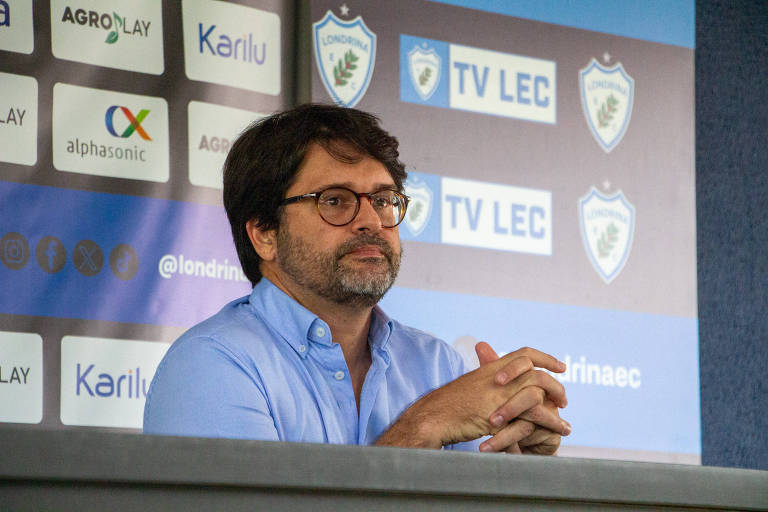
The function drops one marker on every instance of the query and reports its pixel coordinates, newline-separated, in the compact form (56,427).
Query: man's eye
(380,202)
(331,201)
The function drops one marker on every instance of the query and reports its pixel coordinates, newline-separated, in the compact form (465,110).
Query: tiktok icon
(124,262)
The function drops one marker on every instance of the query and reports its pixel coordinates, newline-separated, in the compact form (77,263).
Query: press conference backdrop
(550,152)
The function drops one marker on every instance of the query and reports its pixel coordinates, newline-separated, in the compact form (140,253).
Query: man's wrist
(413,429)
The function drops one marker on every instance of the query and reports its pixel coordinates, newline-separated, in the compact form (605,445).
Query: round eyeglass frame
(316,196)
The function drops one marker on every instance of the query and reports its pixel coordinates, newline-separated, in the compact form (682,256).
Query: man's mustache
(362,241)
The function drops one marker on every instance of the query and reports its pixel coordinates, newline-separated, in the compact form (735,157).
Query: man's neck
(349,324)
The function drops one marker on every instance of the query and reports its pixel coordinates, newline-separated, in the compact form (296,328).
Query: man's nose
(366,218)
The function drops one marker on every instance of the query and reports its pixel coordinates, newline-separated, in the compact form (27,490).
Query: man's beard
(325,274)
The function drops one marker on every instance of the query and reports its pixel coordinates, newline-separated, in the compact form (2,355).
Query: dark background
(731,193)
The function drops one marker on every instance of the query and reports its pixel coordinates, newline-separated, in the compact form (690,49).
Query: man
(314,197)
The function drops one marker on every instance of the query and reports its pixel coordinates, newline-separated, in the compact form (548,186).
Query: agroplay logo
(114,23)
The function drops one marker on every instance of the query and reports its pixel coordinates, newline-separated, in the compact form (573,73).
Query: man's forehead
(321,168)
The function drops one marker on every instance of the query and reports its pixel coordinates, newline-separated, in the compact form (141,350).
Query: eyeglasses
(338,206)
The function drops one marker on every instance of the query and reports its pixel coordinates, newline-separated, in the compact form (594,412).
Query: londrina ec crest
(345,53)
(607,229)
(419,206)
(424,66)
(606,97)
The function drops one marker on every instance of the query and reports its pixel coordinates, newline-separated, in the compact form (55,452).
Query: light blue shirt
(265,367)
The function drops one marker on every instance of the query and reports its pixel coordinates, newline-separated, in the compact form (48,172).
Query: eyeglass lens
(339,206)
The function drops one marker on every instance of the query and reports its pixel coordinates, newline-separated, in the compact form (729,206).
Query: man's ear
(264,241)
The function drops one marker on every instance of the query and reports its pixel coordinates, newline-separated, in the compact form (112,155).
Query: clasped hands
(507,398)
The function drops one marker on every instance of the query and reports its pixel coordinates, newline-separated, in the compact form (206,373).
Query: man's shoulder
(233,328)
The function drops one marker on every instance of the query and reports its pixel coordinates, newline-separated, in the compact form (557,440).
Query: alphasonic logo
(345,53)
(425,66)
(607,95)
(134,122)
(607,229)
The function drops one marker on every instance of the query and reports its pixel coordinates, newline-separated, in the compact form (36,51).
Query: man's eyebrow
(351,186)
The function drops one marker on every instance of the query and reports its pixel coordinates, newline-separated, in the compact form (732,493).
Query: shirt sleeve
(202,389)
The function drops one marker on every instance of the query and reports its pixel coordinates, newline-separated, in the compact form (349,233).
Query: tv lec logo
(134,122)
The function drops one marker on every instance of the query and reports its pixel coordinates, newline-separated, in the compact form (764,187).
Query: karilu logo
(134,126)
(238,48)
(114,23)
(5,14)
(125,385)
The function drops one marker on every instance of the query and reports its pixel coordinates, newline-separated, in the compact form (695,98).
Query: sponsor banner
(614,375)
(495,216)
(212,130)
(460,77)
(345,54)
(104,382)
(18,119)
(233,45)
(21,377)
(661,22)
(105,260)
(116,134)
(477,214)
(110,33)
(16,27)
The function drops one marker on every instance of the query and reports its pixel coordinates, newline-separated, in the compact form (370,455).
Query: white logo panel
(607,96)
(425,67)
(493,216)
(233,45)
(18,119)
(212,130)
(16,32)
(104,382)
(345,54)
(503,84)
(116,134)
(21,377)
(110,33)
(607,230)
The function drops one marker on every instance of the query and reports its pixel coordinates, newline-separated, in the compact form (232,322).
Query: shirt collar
(296,324)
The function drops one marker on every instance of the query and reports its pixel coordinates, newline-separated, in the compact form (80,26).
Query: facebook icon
(51,254)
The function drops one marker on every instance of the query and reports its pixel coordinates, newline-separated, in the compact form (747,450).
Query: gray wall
(732,190)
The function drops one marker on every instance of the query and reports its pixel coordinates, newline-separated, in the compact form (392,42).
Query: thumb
(485,354)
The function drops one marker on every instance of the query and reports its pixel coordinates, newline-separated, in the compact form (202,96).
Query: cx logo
(135,122)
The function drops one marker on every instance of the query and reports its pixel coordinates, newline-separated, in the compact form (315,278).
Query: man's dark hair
(265,158)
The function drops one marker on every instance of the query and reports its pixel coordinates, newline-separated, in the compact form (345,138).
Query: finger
(554,388)
(526,399)
(540,359)
(541,414)
(548,446)
(485,353)
(514,449)
(539,435)
(513,369)
(508,437)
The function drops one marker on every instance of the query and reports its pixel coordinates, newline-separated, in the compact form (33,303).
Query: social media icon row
(51,256)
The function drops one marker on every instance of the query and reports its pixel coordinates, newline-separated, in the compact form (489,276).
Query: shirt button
(302,348)
(339,375)
(320,331)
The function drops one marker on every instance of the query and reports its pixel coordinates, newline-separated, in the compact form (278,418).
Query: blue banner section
(423,220)
(96,256)
(632,380)
(424,71)
(661,21)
